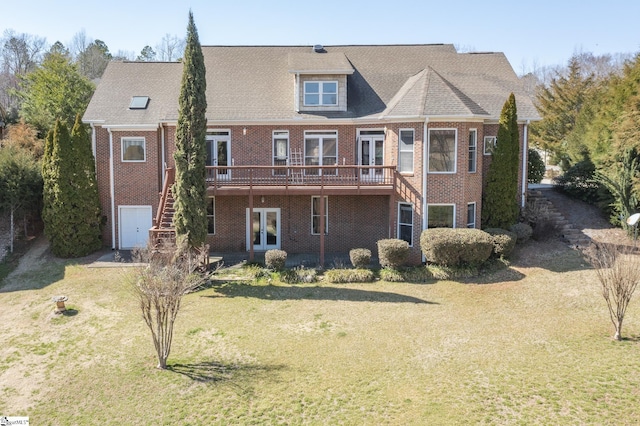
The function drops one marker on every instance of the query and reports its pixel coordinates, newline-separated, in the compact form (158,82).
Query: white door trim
(263,229)
(142,227)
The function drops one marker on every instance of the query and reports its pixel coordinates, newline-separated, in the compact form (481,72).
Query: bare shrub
(159,287)
(618,270)
(275,259)
(360,257)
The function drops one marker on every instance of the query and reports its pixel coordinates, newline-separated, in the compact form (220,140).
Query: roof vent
(318,48)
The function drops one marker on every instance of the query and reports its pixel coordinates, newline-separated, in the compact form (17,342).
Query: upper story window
(442,150)
(489,144)
(405,151)
(473,149)
(134,149)
(320,93)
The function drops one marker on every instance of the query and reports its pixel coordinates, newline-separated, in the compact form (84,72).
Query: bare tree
(171,48)
(618,270)
(159,288)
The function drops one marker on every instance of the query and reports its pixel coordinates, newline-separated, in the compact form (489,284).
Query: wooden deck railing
(285,176)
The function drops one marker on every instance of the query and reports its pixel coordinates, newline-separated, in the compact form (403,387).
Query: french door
(371,153)
(263,229)
(218,150)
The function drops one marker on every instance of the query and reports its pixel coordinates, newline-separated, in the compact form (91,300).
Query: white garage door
(135,222)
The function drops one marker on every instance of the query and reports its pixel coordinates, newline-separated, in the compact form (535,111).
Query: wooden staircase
(163,232)
(573,236)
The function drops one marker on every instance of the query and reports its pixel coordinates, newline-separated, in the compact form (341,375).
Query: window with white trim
(211,215)
(441,216)
(471,215)
(442,150)
(473,150)
(320,93)
(320,149)
(405,150)
(489,144)
(405,222)
(134,149)
(315,215)
(280,150)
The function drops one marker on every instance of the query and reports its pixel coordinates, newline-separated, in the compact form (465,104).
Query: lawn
(527,345)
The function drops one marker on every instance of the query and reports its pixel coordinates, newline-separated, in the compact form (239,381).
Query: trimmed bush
(392,252)
(360,257)
(523,232)
(452,247)
(349,276)
(503,241)
(275,259)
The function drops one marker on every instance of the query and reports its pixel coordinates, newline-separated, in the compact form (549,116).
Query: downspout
(164,164)
(525,153)
(93,144)
(425,170)
(112,191)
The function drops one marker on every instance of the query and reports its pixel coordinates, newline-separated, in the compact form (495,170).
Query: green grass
(518,346)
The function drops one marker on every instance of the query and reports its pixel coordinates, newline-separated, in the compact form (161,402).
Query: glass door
(218,155)
(371,152)
(264,229)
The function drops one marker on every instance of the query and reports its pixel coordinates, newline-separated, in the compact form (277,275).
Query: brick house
(365,142)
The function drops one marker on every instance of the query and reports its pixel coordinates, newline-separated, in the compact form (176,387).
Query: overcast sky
(530,33)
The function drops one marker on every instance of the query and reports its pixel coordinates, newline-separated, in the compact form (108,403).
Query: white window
(211,215)
(489,144)
(320,149)
(405,150)
(280,151)
(442,150)
(321,93)
(471,215)
(473,150)
(133,149)
(315,215)
(441,216)
(405,222)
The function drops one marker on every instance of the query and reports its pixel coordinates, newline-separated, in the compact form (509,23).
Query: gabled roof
(256,83)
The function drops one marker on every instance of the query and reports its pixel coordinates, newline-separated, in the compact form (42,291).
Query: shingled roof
(256,83)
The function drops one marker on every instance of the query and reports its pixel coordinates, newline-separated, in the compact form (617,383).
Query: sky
(532,34)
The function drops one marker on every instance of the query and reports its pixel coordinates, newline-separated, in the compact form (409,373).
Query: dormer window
(139,102)
(320,93)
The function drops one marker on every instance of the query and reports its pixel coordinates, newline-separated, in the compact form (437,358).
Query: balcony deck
(301,180)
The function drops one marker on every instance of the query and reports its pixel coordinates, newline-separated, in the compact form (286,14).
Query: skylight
(139,102)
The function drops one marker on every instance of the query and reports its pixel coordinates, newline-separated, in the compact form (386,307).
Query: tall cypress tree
(189,190)
(71,207)
(500,198)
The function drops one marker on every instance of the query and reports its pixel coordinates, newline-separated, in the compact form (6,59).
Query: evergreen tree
(189,190)
(71,211)
(560,105)
(500,198)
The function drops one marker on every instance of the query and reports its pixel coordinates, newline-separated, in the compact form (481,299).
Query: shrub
(503,241)
(450,247)
(298,275)
(360,257)
(419,274)
(523,232)
(579,181)
(536,168)
(275,259)
(349,276)
(392,252)
(441,272)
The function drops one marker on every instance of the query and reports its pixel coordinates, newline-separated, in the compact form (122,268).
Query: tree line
(591,128)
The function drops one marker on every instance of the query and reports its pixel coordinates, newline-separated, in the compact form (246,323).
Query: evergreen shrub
(503,241)
(392,252)
(360,257)
(523,232)
(275,259)
(451,247)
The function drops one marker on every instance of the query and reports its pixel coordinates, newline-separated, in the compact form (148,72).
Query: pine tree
(500,197)
(189,190)
(71,207)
